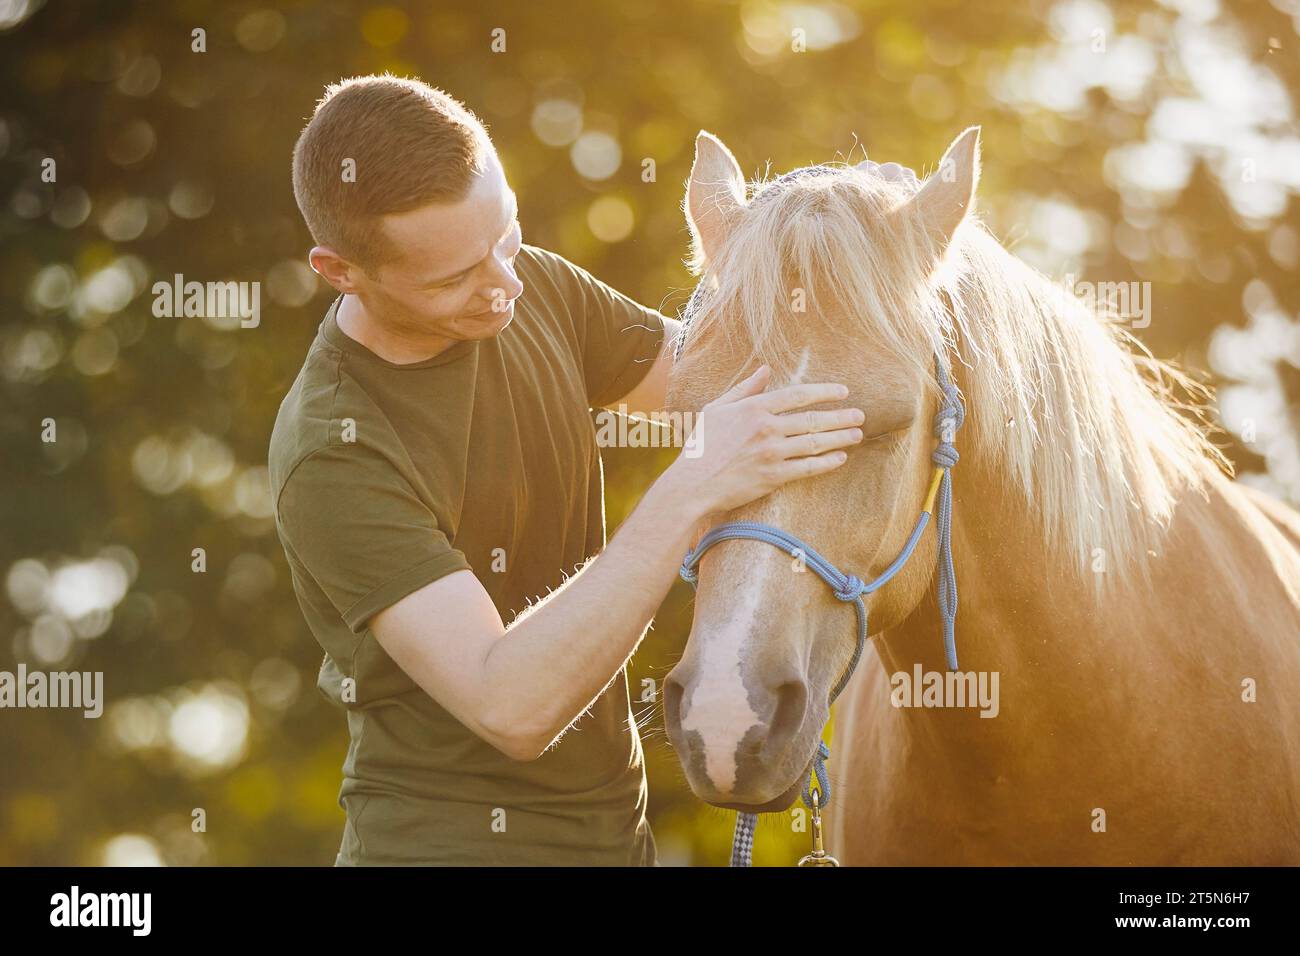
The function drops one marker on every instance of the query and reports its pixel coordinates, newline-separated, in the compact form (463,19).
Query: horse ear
(949,194)
(715,193)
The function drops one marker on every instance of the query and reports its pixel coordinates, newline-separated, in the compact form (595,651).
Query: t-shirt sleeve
(359,530)
(619,337)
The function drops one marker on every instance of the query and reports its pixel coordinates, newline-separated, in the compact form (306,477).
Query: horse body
(1132,706)
(1141,610)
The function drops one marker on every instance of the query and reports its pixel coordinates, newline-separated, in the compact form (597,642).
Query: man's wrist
(676,494)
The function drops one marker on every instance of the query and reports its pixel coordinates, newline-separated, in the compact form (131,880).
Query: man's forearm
(561,654)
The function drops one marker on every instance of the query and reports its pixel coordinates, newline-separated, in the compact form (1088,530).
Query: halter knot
(949,418)
(950,409)
(688,574)
(851,589)
(945,455)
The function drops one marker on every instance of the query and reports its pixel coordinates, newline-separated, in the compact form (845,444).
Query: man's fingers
(892,172)
(746,387)
(900,174)
(817,443)
(797,396)
(794,468)
(799,423)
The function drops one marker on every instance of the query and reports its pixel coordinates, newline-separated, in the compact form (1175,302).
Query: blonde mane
(1063,403)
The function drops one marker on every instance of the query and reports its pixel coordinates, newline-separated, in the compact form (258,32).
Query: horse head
(826,274)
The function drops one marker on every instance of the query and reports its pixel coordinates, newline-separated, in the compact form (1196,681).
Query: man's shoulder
(313,416)
(538,258)
(551,273)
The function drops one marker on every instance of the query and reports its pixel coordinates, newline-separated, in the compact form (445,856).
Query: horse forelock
(809,246)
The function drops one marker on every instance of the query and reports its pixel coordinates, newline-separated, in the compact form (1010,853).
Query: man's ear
(333,268)
(949,194)
(715,194)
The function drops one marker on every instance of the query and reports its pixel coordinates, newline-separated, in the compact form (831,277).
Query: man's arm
(649,394)
(520,687)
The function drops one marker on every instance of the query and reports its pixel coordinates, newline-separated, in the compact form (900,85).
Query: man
(435,470)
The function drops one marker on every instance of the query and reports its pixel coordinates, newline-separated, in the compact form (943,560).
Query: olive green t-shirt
(387,477)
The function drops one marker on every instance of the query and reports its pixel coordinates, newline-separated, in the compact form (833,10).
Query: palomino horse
(1140,610)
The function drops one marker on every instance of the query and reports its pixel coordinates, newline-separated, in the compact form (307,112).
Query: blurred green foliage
(1130,142)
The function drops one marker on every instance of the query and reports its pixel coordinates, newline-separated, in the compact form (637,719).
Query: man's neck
(390,345)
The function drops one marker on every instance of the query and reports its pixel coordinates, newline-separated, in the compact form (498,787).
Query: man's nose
(505,284)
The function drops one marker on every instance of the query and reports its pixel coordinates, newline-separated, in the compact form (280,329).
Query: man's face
(452,267)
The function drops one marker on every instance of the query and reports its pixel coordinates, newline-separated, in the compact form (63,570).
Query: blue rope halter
(850,589)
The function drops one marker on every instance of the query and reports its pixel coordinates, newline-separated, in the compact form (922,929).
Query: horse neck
(1018,598)
(1063,656)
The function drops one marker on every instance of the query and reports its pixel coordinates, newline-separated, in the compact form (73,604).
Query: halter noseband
(850,588)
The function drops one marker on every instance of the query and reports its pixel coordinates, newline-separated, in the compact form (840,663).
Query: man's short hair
(410,145)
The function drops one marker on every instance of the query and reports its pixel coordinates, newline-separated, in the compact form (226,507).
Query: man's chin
(486,324)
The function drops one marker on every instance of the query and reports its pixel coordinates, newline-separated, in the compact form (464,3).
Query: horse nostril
(791,704)
(672,691)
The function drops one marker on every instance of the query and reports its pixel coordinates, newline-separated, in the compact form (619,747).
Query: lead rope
(849,588)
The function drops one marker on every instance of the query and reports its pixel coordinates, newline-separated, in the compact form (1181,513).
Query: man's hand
(748,442)
(892,172)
